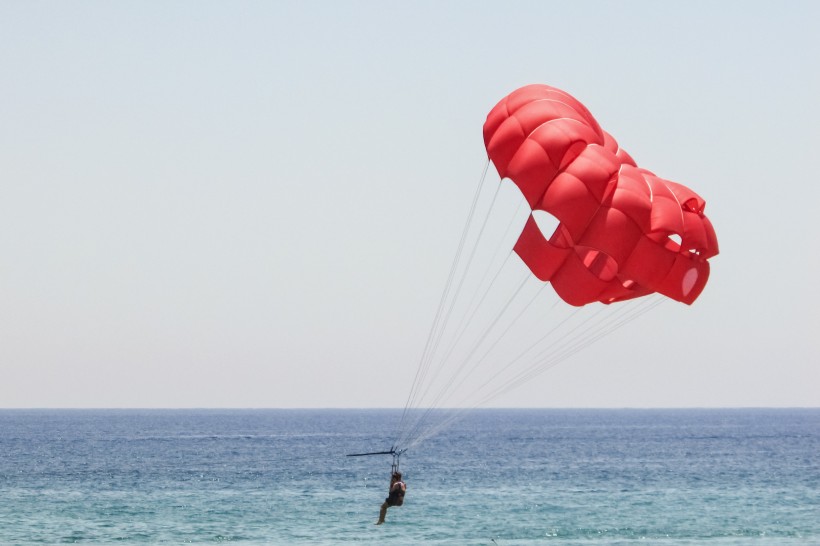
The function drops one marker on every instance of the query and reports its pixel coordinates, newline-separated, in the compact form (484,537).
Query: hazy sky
(255,204)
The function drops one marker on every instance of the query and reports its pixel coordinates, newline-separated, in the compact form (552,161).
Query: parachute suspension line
(460,284)
(581,341)
(504,369)
(531,347)
(486,334)
(510,364)
(550,356)
(473,307)
(421,371)
(636,311)
(599,333)
(534,370)
(454,387)
(469,319)
(458,376)
(422,385)
(583,338)
(447,309)
(557,351)
(570,351)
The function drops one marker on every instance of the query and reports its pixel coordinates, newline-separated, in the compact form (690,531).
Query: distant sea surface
(505,477)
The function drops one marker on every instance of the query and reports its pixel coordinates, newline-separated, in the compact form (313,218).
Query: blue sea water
(505,477)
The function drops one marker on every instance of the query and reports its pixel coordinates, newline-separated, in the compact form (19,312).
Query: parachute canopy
(620,233)
(623,232)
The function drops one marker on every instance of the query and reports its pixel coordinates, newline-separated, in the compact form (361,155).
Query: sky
(256,204)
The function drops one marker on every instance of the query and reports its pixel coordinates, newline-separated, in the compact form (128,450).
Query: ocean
(497,477)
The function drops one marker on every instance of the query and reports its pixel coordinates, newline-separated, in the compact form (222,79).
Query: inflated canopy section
(623,232)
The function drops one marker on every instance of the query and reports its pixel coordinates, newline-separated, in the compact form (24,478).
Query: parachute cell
(623,232)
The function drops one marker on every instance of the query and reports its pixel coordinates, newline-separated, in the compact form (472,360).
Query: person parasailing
(395,495)
(397,488)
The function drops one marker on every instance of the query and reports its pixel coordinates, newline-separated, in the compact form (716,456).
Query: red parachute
(623,232)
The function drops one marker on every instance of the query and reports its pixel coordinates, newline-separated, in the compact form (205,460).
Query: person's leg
(382,513)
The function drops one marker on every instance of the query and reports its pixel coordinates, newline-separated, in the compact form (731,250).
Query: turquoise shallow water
(568,477)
